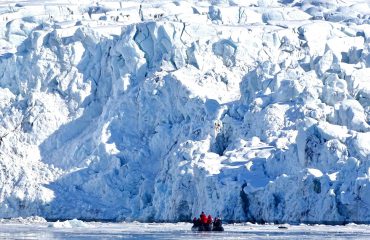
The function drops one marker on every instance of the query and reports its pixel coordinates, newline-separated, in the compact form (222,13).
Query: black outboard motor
(217,225)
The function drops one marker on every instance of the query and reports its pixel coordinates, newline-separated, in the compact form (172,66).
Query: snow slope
(154,110)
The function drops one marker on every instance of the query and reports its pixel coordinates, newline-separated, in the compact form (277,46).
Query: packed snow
(147,110)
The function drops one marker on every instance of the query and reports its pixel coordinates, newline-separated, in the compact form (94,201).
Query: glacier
(253,110)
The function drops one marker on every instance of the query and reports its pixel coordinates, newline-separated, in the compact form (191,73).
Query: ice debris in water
(25,220)
(74,223)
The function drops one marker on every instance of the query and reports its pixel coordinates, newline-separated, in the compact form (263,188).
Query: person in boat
(208,225)
(203,218)
(200,223)
(196,222)
(209,219)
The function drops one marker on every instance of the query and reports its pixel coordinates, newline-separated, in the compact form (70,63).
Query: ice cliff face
(252,110)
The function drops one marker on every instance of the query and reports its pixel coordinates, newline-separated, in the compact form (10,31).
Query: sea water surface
(135,230)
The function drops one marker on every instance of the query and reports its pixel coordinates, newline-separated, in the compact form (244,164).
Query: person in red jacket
(203,218)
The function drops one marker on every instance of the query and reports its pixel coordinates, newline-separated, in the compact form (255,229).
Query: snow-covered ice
(147,110)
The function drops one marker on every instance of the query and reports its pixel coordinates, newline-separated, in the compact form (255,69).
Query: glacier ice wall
(254,111)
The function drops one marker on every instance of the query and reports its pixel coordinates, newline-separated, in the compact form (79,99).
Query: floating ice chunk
(26,220)
(74,223)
